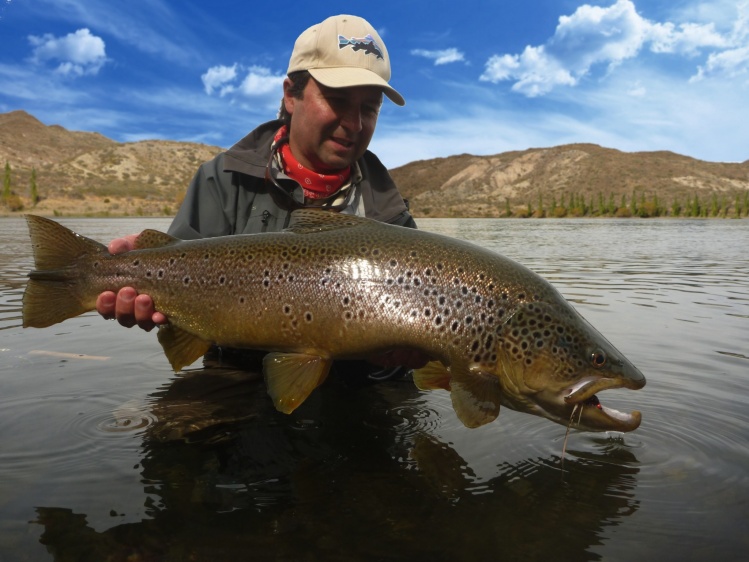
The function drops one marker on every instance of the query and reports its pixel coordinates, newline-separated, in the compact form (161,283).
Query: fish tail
(55,289)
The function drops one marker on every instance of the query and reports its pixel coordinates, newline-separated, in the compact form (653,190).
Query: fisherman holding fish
(314,155)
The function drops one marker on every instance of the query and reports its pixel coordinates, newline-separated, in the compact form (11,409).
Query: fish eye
(598,358)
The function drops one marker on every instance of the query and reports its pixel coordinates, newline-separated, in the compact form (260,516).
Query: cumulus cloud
(605,37)
(443,56)
(734,60)
(219,78)
(257,81)
(79,53)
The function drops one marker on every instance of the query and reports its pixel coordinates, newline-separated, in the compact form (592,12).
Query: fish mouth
(590,414)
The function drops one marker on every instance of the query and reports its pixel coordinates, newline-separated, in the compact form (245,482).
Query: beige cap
(344,51)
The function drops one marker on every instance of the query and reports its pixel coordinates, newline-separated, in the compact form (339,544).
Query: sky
(479,77)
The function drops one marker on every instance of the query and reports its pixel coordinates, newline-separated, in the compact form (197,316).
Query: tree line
(637,205)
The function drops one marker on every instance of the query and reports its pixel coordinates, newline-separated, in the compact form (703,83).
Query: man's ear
(288,99)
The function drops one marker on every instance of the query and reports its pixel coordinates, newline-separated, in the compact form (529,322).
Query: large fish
(335,286)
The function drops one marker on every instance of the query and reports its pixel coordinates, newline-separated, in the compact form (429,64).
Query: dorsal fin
(154,239)
(307,221)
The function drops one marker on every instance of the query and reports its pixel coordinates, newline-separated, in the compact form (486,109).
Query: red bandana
(314,184)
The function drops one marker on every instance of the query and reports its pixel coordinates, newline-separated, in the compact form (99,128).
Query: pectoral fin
(475,396)
(434,375)
(291,377)
(181,348)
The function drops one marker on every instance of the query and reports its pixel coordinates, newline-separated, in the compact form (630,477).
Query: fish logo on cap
(366,44)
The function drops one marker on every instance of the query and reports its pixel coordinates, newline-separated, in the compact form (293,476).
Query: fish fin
(291,377)
(150,238)
(180,346)
(53,293)
(475,396)
(308,221)
(434,375)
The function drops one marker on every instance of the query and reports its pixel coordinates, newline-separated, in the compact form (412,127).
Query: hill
(575,179)
(80,173)
(86,173)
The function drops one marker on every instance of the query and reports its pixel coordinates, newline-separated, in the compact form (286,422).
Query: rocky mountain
(87,173)
(570,176)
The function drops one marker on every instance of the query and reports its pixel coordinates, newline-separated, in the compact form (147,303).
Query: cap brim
(347,77)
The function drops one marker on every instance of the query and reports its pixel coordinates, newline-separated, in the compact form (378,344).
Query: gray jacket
(231,195)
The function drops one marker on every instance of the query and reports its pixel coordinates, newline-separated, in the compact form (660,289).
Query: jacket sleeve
(209,207)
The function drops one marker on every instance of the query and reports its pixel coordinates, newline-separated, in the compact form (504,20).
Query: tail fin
(53,293)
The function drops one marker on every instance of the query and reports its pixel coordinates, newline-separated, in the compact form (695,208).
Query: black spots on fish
(393,263)
(186,280)
(242,300)
(160,274)
(149,274)
(308,317)
(346,300)
(222,279)
(136,262)
(172,261)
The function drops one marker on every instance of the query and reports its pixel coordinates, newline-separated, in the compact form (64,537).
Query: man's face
(331,127)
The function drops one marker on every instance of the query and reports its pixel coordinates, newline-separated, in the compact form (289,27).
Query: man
(315,154)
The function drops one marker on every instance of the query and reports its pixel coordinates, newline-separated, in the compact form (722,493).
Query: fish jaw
(579,406)
(558,372)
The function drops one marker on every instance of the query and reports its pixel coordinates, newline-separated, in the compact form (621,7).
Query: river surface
(106,454)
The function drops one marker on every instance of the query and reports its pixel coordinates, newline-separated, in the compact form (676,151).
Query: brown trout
(335,286)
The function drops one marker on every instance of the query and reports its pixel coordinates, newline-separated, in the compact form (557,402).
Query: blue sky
(478,77)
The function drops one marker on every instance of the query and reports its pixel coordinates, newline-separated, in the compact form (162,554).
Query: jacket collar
(250,155)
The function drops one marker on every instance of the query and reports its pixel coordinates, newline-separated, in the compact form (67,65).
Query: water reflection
(346,477)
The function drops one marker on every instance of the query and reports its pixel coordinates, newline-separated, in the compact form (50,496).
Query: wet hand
(127,306)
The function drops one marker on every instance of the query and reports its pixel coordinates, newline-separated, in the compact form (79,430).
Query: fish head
(551,362)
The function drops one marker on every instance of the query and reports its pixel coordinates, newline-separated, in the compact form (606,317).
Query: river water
(105,454)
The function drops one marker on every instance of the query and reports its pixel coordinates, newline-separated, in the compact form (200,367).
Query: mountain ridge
(79,173)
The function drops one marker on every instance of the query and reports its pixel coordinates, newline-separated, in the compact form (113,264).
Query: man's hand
(127,306)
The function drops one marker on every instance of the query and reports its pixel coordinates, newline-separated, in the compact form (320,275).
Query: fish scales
(335,286)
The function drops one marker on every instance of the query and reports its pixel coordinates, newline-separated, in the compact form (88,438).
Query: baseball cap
(344,51)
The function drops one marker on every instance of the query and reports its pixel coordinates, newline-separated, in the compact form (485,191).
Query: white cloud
(218,78)
(79,53)
(595,36)
(258,81)
(443,56)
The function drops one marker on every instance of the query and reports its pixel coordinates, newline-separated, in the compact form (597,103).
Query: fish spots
(186,280)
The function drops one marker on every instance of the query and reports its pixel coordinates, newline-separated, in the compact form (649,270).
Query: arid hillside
(79,173)
(87,173)
(571,179)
